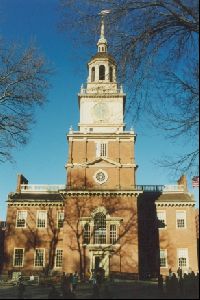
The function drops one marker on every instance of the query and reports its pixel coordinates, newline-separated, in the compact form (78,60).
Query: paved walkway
(117,290)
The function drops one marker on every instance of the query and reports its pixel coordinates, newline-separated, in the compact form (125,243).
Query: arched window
(111,74)
(93,74)
(100,228)
(86,234)
(102,71)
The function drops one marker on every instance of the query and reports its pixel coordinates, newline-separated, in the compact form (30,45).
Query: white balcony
(26,188)
(173,188)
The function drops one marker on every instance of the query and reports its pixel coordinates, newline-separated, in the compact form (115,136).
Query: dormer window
(93,74)
(111,74)
(102,71)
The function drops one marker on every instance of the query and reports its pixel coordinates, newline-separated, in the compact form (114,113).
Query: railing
(173,188)
(141,188)
(42,187)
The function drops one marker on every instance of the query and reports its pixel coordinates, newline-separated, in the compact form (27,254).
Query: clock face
(100,111)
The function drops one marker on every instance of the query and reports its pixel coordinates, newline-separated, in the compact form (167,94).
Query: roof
(183,197)
(104,55)
(35,197)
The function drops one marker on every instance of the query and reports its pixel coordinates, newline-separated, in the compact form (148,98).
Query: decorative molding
(171,204)
(104,193)
(100,209)
(35,203)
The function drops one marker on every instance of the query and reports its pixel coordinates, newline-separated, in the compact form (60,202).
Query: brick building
(101,218)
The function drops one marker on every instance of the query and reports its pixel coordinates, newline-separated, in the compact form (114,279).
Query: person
(179,273)
(160,284)
(170,273)
(70,280)
(63,282)
(75,281)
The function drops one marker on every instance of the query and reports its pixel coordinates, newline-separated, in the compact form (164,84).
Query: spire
(102,43)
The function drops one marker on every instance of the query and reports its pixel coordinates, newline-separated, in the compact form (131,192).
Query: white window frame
(165,251)
(185,217)
(187,258)
(60,212)
(101,149)
(38,218)
(18,212)
(43,258)
(16,266)
(55,264)
(165,218)
(114,237)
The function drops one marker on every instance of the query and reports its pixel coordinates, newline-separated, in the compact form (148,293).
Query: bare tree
(149,38)
(23,85)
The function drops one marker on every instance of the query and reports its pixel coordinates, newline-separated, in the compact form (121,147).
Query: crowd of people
(180,285)
(175,285)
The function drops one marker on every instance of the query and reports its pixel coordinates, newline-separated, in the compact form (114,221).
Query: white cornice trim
(101,193)
(174,203)
(76,165)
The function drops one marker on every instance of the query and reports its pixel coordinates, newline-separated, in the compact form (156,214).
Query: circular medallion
(101,177)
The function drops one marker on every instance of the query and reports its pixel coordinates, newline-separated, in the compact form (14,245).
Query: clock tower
(101,152)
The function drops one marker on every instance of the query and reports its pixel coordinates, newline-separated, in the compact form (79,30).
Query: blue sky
(42,160)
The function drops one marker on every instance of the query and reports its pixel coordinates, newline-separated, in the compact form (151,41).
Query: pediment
(102,162)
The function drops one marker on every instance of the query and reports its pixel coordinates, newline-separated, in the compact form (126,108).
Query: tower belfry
(102,100)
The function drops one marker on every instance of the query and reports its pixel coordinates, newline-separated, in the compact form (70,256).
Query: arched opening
(102,71)
(100,229)
(111,74)
(93,74)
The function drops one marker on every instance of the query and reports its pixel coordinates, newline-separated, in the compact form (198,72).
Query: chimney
(20,180)
(183,181)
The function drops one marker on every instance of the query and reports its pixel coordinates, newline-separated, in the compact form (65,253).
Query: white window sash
(43,257)
(14,258)
(181,215)
(41,216)
(183,253)
(21,215)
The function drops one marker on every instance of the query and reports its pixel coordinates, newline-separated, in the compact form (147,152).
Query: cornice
(100,193)
(33,202)
(101,95)
(174,203)
(96,135)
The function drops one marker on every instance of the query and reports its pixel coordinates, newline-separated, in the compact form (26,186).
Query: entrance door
(97,262)
(100,260)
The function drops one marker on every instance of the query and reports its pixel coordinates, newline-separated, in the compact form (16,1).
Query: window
(100,229)
(18,257)
(183,258)
(86,234)
(60,219)
(113,234)
(93,74)
(163,258)
(161,215)
(102,71)
(39,258)
(181,219)
(41,219)
(21,219)
(59,258)
(101,150)
(111,74)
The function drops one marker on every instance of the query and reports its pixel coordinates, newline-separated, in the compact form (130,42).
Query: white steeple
(102,43)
